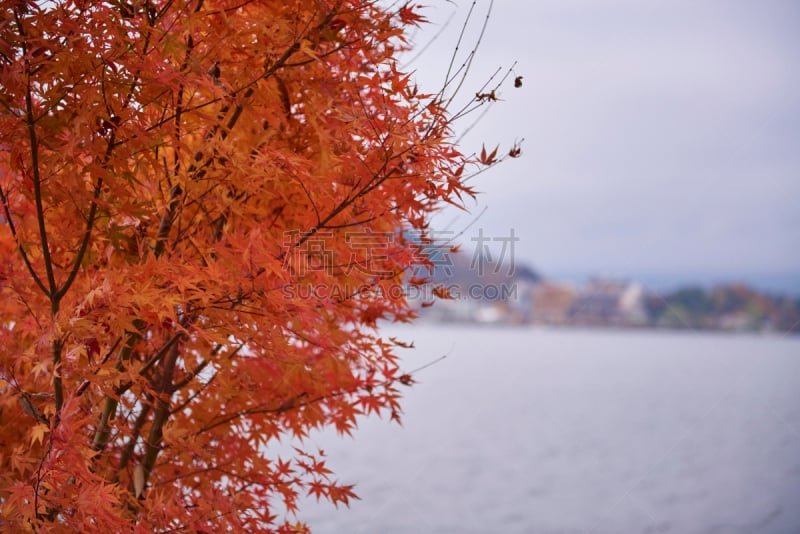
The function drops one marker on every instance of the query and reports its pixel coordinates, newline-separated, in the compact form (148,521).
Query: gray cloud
(660,136)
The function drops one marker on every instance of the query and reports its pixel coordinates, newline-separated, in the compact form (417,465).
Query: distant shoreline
(422,321)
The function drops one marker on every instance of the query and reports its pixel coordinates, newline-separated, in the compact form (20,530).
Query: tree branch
(164,393)
(10,222)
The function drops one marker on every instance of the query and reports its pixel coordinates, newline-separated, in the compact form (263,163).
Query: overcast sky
(662,138)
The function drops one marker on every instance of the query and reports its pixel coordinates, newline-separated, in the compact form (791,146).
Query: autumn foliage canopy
(173,174)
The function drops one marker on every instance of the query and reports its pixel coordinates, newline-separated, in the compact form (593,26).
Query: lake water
(569,431)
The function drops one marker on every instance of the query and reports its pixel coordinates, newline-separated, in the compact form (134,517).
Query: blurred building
(551,303)
(602,302)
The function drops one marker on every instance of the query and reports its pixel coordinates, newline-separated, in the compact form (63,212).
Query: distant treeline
(733,307)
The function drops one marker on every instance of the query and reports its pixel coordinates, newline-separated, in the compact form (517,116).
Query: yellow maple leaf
(38,432)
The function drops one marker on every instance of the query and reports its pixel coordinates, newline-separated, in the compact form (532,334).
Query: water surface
(569,431)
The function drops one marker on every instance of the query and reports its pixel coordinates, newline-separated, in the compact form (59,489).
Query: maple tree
(171,175)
